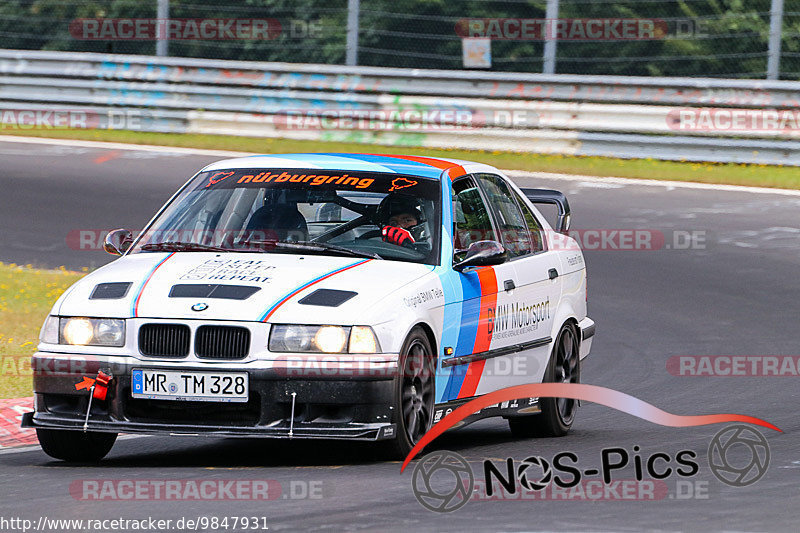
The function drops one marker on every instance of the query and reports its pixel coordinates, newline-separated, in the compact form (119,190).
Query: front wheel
(414,394)
(557,414)
(75,446)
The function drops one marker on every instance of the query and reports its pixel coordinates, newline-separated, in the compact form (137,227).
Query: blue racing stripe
(470,313)
(138,293)
(451,285)
(307,284)
(401,166)
(468,330)
(340,162)
(462,302)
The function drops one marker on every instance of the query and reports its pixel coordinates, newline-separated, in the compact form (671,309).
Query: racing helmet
(397,203)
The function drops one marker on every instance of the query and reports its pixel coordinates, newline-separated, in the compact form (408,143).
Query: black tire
(75,446)
(414,395)
(557,415)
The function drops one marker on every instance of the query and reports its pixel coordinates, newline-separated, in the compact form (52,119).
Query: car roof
(427,167)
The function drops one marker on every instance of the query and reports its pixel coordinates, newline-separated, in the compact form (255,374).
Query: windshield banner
(312,179)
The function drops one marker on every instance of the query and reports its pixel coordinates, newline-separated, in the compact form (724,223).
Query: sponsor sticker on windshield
(310,179)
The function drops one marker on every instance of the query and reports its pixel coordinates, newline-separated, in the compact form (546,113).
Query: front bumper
(337,402)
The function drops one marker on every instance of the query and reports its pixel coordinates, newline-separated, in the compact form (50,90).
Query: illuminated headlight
(362,340)
(92,331)
(326,339)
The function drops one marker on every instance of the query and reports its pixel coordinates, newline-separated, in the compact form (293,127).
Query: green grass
(727,173)
(26,296)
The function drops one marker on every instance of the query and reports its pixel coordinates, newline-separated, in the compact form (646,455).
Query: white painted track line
(652,183)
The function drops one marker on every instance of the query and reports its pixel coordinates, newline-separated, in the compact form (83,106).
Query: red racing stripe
(456,172)
(483,339)
(471,379)
(453,170)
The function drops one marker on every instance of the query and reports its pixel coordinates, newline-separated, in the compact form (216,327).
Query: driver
(399,213)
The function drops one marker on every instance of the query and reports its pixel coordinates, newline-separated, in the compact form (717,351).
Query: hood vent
(327,298)
(110,291)
(223,292)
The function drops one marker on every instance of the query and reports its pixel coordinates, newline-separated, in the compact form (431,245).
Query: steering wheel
(365,218)
(371,234)
(398,252)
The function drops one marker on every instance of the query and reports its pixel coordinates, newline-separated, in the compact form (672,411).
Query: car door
(478,288)
(525,311)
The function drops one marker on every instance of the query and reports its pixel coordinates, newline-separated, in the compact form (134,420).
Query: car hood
(282,281)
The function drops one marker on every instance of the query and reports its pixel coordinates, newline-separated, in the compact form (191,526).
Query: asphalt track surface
(738,295)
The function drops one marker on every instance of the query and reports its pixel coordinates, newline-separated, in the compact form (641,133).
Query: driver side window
(515,227)
(471,219)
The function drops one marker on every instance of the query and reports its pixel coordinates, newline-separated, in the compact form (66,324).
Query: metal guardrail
(578,115)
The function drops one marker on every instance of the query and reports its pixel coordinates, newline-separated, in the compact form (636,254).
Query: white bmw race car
(342,296)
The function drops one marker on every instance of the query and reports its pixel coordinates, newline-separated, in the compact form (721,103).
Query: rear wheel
(557,414)
(414,394)
(75,446)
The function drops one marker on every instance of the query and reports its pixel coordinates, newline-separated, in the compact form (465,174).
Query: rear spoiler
(549,196)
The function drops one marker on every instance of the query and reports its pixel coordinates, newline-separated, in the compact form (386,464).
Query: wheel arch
(575,326)
(565,315)
(431,338)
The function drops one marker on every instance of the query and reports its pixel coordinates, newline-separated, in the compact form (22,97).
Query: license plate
(191,386)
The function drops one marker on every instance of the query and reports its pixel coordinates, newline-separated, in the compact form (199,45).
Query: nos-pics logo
(738,455)
(443,481)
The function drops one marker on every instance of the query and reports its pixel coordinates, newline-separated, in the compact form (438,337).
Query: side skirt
(524,406)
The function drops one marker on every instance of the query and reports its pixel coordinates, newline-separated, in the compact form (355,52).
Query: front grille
(222,342)
(164,340)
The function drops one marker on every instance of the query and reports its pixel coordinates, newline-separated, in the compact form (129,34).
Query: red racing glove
(398,236)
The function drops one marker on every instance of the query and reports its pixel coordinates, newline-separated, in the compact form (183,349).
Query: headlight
(92,331)
(326,339)
(330,339)
(362,340)
(49,332)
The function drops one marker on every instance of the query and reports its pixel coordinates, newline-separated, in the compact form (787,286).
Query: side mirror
(118,241)
(482,253)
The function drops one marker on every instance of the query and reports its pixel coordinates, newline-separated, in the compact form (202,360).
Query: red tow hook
(98,388)
(102,381)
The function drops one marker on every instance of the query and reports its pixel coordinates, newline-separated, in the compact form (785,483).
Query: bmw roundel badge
(200,306)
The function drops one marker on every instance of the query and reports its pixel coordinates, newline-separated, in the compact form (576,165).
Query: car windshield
(306,211)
